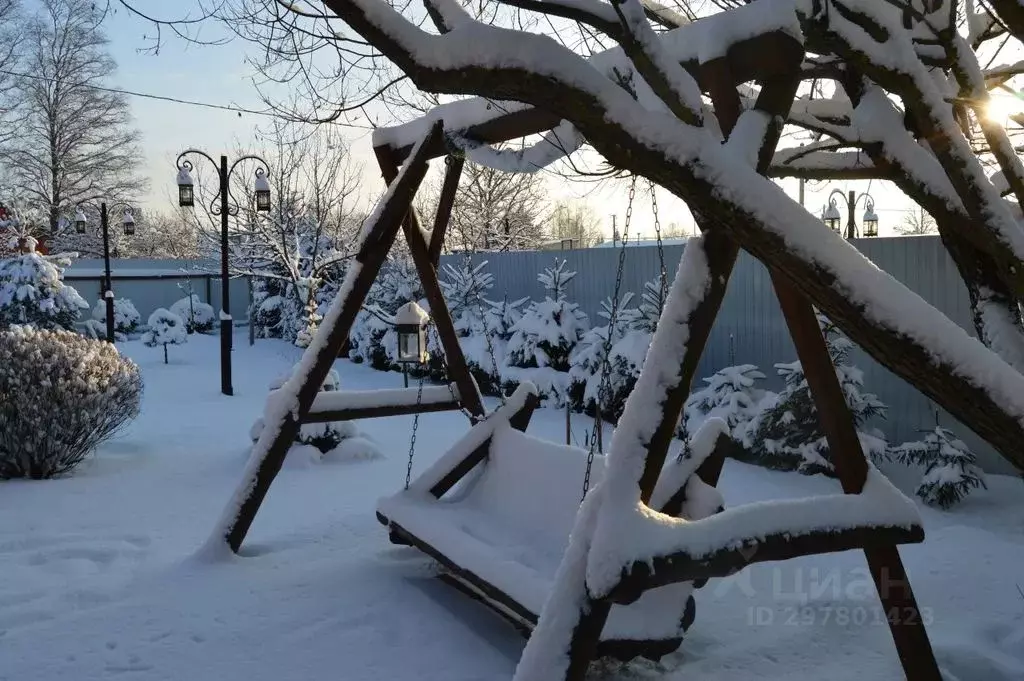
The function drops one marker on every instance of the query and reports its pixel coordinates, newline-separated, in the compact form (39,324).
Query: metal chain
(661,251)
(606,347)
(447,380)
(415,427)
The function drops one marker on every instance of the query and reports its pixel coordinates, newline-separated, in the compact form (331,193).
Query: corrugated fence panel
(750,328)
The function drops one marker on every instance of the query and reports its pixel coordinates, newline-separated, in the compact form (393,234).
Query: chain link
(415,427)
(657,233)
(606,347)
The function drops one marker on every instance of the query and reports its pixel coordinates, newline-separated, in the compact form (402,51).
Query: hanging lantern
(262,188)
(128,222)
(870,220)
(185,186)
(830,216)
(411,324)
(80,221)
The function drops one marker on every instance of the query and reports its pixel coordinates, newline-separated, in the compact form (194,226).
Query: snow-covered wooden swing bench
(612,576)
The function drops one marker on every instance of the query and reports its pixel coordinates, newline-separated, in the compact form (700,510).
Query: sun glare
(999,108)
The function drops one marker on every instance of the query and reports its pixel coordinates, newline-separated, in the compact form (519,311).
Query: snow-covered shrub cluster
(197,315)
(335,440)
(126,317)
(373,339)
(32,291)
(61,395)
(165,328)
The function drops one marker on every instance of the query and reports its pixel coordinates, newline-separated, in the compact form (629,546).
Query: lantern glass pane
(408,346)
(185,195)
(871,227)
(80,226)
(263,201)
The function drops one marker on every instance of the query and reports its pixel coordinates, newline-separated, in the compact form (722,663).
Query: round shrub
(61,395)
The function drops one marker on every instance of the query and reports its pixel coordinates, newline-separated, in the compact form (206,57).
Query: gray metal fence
(750,328)
(154,283)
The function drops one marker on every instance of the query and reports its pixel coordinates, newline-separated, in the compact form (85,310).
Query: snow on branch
(559,142)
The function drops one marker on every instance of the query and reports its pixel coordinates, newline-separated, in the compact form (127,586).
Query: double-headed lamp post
(128,223)
(224,205)
(830,216)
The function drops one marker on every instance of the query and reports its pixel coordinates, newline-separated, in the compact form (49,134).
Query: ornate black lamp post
(830,216)
(224,205)
(128,223)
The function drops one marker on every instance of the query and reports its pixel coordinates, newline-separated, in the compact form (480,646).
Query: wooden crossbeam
(355,413)
(370,256)
(348,405)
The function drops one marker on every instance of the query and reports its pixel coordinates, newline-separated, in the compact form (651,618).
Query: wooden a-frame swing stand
(773,59)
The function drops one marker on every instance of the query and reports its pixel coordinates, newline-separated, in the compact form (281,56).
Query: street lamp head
(129,222)
(80,221)
(262,187)
(870,220)
(830,216)
(185,186)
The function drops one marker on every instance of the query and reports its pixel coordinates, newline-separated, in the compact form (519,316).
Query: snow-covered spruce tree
(549,329)
(61,395)
(126,317)
(731,394)
(950,467)
(464,289)
(587,361)
(336,440)
(165,328)
(786,434)
(32,290)
(197,315)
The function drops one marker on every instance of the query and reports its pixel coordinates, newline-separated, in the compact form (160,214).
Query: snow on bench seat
(510,527)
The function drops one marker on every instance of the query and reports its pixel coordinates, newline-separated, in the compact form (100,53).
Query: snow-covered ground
(99,578)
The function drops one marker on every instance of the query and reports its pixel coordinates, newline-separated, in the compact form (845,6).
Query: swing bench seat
(349,405)
(501,532)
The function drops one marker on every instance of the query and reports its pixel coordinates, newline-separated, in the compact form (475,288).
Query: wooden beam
(458,369)
(355,413)
(445,203)
(371,255)
(681,567)
(884,563)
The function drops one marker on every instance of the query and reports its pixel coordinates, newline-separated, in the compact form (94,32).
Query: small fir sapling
(464,289)
(165,328)
(950,467)
(126,317)
(33,292)
(588,360)
(731,394)
(549,329)
(786,433)
(197,315)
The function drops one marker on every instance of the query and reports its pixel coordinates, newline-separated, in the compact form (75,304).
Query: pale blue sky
(218,74)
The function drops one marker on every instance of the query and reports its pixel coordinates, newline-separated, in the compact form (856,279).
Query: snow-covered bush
(61,395)
(32,291)
(731,394)
(587,361)
(786,433)
(479,324)
(549,329)
(338,440)
(165,328)
(396,285)
(197,315)
(950,467)
(126,317)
